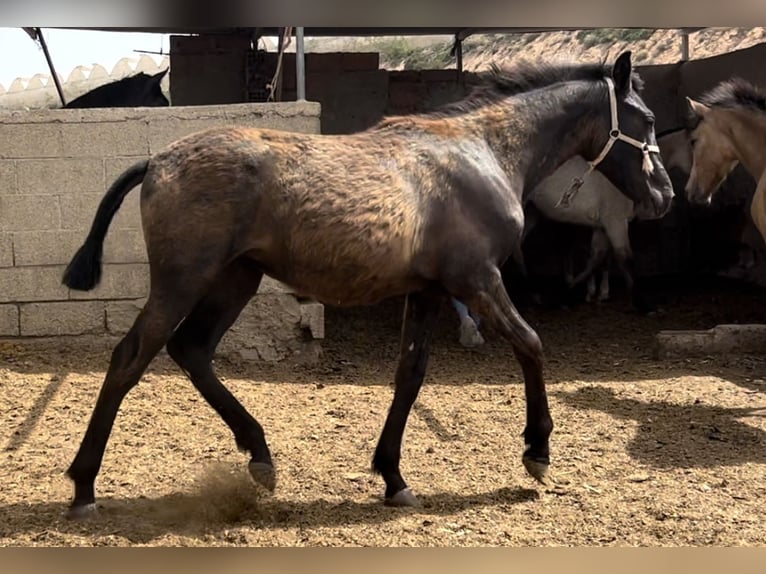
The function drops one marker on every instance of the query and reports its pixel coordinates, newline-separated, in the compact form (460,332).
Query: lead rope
(614,135)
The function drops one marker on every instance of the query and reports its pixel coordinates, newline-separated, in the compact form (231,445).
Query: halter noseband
(614,135)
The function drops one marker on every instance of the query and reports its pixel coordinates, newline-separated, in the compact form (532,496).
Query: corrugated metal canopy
(460,32)
(329,31)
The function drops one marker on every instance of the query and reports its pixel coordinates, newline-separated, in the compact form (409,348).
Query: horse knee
(531,346)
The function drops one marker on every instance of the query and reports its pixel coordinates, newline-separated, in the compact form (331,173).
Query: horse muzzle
(695,196)
(657,206)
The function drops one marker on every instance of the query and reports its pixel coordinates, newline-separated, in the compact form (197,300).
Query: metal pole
(459,54)
(300,65)
(280,56)
(684,45)
(50,65)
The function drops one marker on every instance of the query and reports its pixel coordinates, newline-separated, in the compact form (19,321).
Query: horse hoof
(537,469)
(264,475)
(81,512)
(470,337)
(403,498)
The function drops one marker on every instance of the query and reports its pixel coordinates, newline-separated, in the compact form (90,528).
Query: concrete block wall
(55,166)
(208,69)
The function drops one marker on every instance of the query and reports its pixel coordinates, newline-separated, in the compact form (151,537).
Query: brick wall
(55,166)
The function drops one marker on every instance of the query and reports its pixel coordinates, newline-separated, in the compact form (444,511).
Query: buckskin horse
(730,128)
(428,206)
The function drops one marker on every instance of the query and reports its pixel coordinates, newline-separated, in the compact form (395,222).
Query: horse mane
(529,75)
(490,86)
(735,93)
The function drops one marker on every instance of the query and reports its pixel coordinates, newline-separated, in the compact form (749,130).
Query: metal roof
(459,32)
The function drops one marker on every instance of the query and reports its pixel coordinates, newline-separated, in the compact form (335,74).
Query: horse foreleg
(420,313)
(618,233)
(493,302)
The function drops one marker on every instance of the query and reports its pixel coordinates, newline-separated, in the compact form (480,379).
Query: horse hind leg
(193,345)
(599,248)
(618,234)
(603,291)
(150,331)
(591,289)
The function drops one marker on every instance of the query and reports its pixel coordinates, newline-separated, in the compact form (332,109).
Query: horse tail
(84,271)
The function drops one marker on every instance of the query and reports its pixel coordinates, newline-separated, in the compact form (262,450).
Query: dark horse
(425,205)
(138,90)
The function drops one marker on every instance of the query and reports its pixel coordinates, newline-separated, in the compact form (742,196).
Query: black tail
(84,271)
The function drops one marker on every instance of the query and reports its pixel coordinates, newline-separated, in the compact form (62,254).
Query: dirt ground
(644,452)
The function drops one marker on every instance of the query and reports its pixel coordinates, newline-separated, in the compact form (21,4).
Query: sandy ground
(644,452)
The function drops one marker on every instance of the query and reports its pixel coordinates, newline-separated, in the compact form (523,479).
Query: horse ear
(699,109)
(622,71)
(158,76)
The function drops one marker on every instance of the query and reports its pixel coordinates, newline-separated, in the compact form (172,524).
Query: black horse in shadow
(138,90)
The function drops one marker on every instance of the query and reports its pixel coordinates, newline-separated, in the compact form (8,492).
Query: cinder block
(120,315)
(8,177)
(62,318)
(119,281)
(115,166)
(267,329)
(22,140)
(324,62)
(269,285)
(105,139)
(70,175)
(129,215)
(29,212)
(26,284)
(32,248)
(45,247)
(6,250)
(404,100)
(9,321)
(447,76)
(404,76)
(312,318)
(355,61)
(78,211)
(297,124)
(125,246)
(165,131)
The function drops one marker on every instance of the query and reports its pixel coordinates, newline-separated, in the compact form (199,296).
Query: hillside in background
(480,51)
(426,52)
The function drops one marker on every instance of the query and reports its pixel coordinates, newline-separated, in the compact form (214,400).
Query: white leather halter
(614,135)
